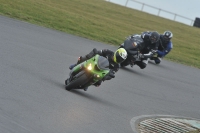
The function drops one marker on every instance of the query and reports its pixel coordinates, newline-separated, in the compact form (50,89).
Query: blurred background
(187,12)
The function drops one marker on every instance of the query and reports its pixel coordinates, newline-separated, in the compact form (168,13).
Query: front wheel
(66,81)
(81,78)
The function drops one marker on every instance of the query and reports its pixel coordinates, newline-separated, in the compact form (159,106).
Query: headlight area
(89,67)
(96,76)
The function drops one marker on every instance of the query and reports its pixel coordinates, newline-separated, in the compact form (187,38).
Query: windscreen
(103,63)
(130,45)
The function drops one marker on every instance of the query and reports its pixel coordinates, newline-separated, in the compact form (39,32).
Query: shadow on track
(41,76)
(131,70)
(54,82)
(159,65)
(153,63)
(136,72)
(95,99)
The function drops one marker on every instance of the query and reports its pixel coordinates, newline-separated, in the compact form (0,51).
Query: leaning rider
(114,59)
(165,46)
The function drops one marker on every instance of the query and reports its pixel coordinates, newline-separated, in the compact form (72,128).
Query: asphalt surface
(34,63)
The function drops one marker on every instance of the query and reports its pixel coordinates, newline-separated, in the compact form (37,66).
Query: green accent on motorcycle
(89,72)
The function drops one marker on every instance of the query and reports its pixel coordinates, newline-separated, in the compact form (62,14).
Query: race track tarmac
(34,63)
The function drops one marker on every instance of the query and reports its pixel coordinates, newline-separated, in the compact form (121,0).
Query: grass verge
(105,22)
(194,131)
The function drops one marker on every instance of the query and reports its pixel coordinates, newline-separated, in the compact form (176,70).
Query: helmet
(120,55)
(154,37)
(167,35)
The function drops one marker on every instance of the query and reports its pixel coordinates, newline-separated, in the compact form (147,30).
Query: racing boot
(72,66)
(84,58)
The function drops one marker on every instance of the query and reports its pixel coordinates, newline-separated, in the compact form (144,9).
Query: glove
(109,76)
(112,74)
(154,51)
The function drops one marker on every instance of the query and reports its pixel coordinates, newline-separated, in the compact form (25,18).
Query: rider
(149,42)
(151,39)
(114,59)
(165,46)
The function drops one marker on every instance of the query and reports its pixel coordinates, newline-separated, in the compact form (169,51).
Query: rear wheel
(81,78)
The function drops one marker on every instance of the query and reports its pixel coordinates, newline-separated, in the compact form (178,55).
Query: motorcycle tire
(81,78)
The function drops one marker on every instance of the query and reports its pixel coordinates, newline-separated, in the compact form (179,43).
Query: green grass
(105,22)
(194,131)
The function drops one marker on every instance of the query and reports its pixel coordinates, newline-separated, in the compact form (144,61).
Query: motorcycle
(88,73)
(130,45)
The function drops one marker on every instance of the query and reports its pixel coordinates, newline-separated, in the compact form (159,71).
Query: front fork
(76,70)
